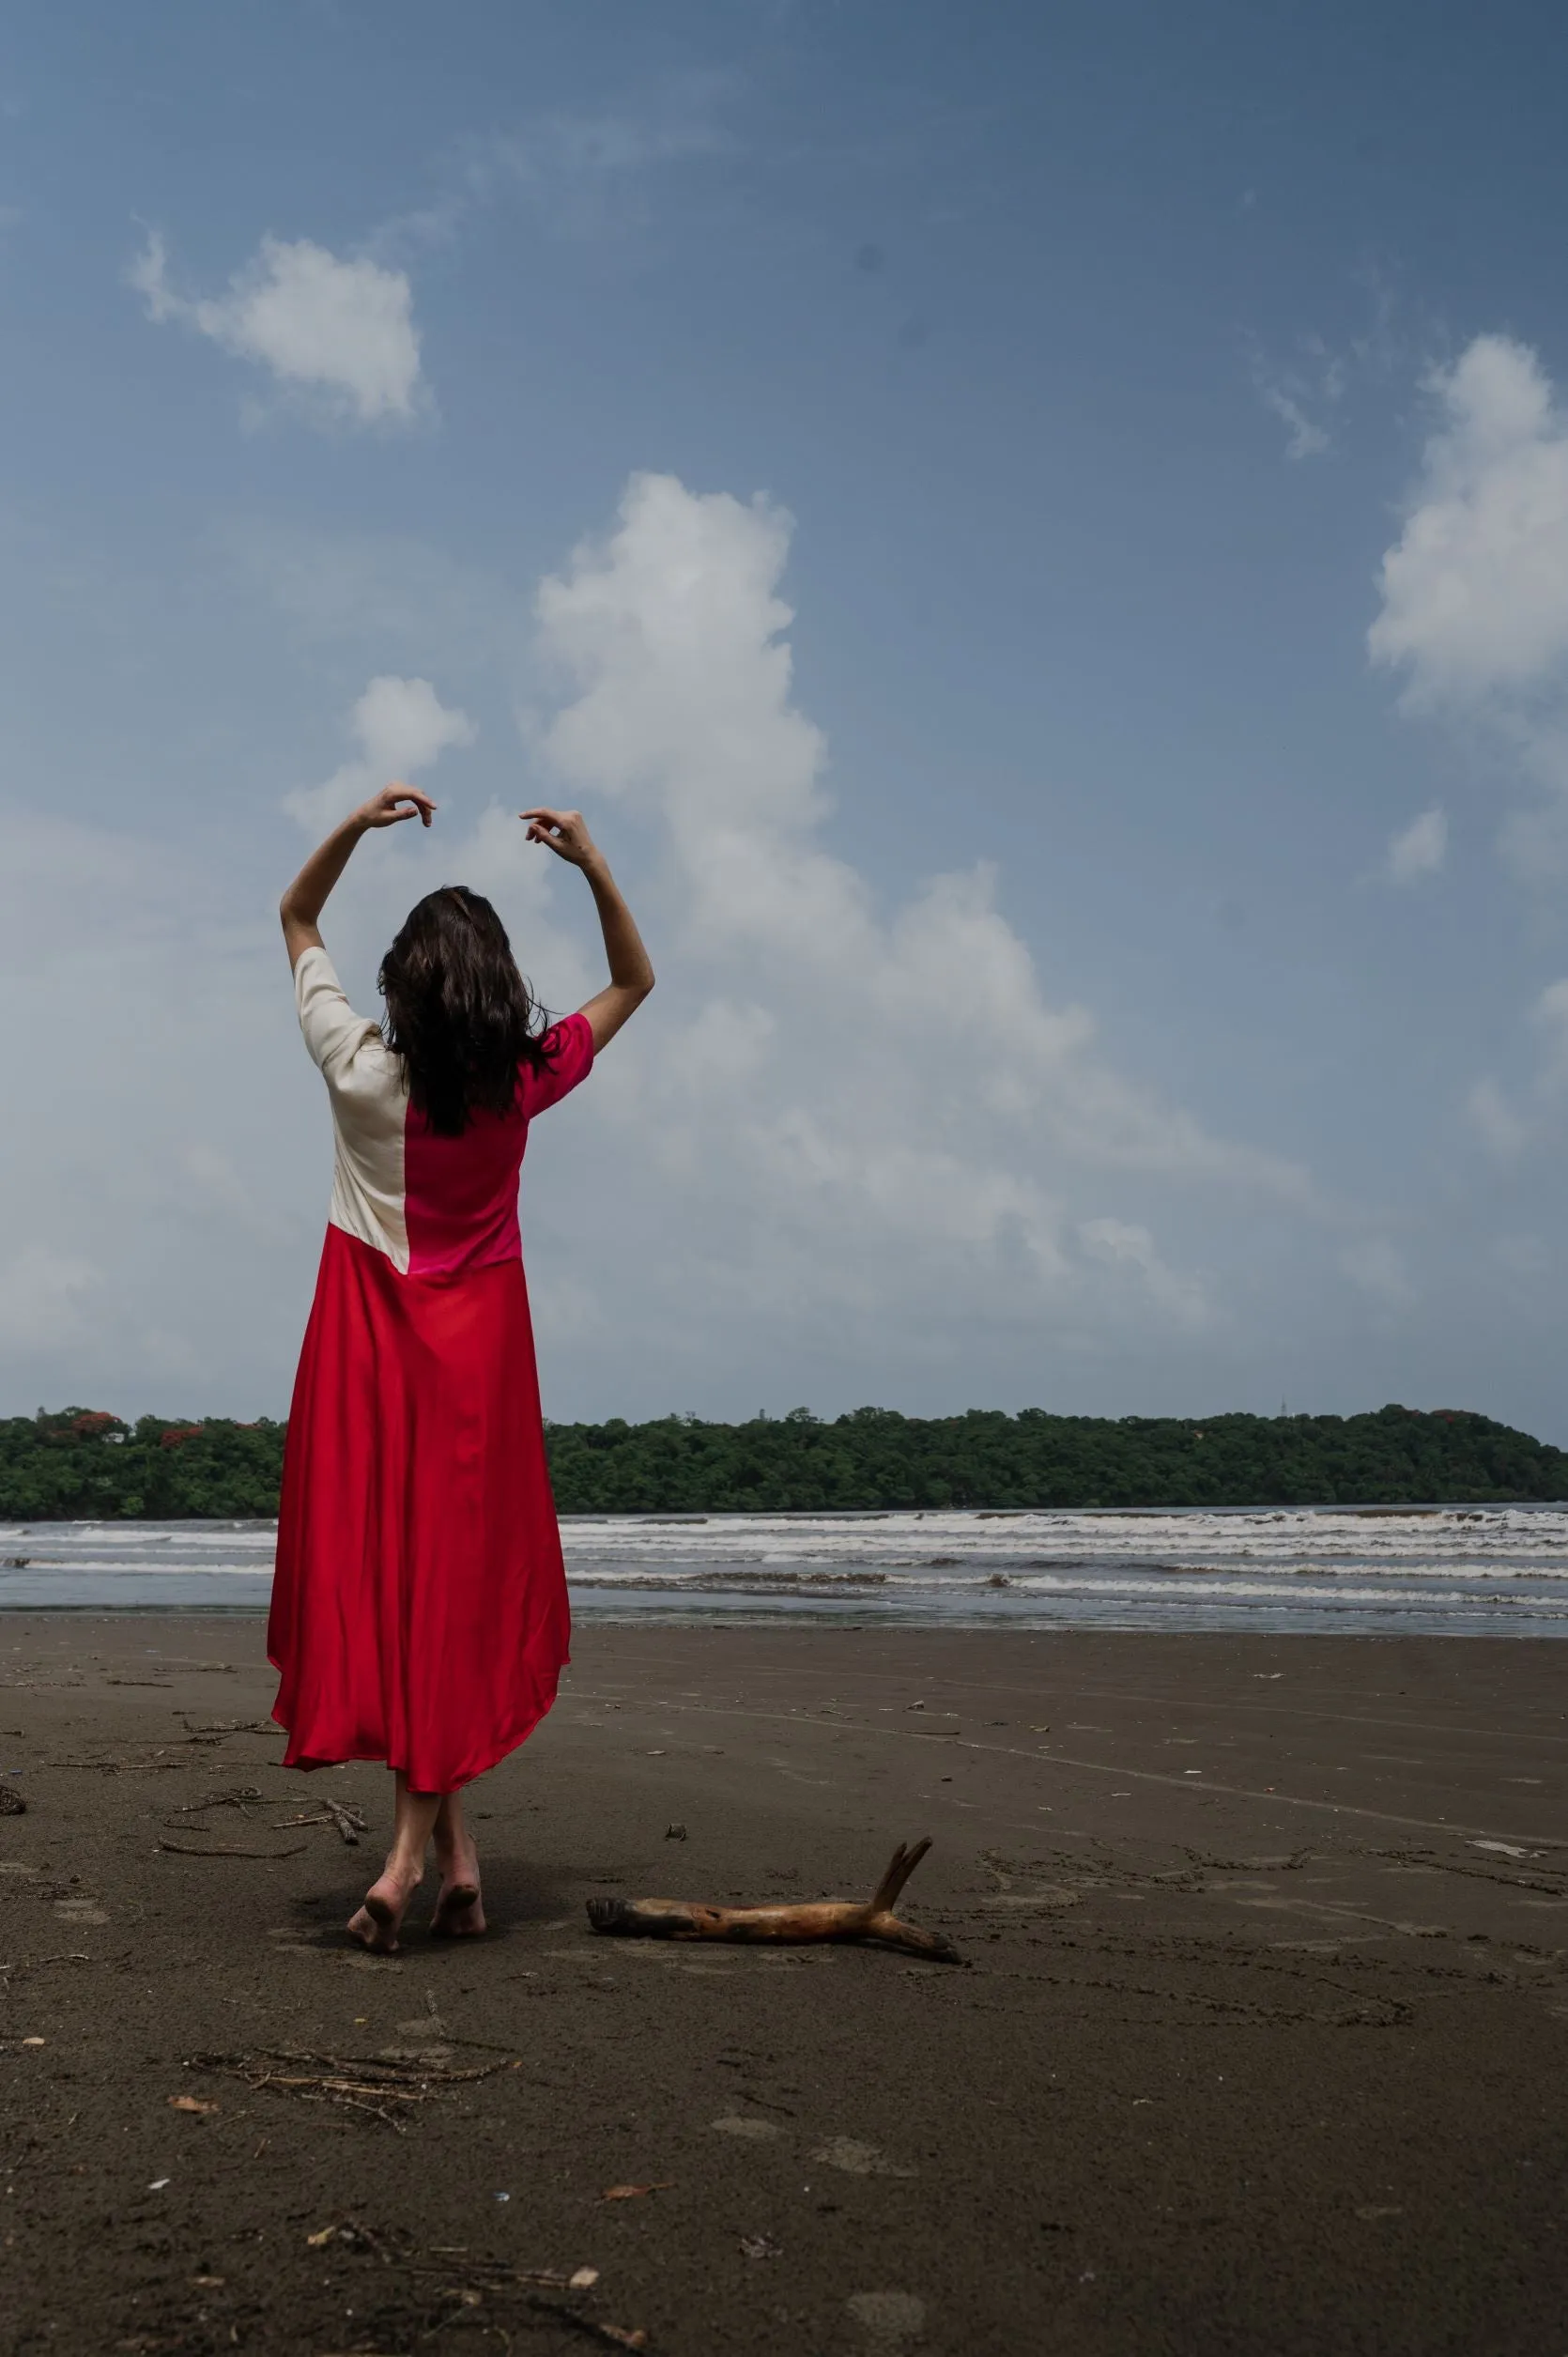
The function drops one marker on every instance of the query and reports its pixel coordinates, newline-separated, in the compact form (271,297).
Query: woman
(419,1611)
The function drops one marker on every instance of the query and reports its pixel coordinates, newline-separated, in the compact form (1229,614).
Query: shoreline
(1261,2042)
(1426,1572)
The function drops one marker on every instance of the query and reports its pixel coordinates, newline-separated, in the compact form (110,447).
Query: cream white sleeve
(333,1032)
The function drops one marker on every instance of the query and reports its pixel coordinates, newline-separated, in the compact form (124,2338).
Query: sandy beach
(1261,2044)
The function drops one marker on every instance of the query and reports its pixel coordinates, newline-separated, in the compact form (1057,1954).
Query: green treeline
(84,1463)
(875,1457)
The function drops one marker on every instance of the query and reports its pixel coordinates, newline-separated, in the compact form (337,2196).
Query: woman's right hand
(393,803)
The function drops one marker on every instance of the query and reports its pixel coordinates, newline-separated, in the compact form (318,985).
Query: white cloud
(862,1112)
(1420,849)
(1474,592)
(851,1149)
(1475,589)
(338,334)
(401,726)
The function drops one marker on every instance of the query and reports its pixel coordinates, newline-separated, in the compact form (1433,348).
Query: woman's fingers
(394,802)
(562,830)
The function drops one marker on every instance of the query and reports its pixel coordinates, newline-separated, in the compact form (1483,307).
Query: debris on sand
(357,2083)
(822,1919)
(227,1849)
(465,2279)
(239,1796)
(348,1822)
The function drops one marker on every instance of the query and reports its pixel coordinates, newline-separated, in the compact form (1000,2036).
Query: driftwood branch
(821,1919)
(224,1849)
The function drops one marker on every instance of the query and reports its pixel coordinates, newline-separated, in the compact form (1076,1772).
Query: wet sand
(1259,2048)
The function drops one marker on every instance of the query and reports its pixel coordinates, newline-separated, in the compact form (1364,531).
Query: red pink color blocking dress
(419,1609)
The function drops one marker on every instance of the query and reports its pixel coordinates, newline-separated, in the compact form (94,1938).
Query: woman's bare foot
(459,1910)
(376,1924)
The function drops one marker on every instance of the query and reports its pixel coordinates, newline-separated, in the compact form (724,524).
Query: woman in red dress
(418,1609)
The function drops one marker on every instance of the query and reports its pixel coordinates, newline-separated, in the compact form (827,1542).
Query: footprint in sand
(858,2160)
(80,1911)
(892,2318)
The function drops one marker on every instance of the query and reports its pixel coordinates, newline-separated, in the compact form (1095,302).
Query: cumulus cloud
(1475,589)
(851,1148)
(401,726)
(858,1105)
(1420,849)
(337,335)
(1474,610)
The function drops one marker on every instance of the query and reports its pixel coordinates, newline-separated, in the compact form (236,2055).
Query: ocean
(1437,1571)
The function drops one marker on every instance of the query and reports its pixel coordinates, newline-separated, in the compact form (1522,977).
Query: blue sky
(1110,965)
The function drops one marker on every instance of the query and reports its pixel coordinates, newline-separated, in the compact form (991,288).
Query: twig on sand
(615,2335)
(239,1797)
(225,1849)
(470,2280)
(37,1963)
(821,1919)
(355,2082)
(228,1727)
(347,1821)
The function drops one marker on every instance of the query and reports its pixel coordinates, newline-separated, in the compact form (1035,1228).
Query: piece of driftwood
(348,1822)
(820,1919)
(224,1849)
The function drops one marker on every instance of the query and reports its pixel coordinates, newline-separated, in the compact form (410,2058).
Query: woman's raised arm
(631,974)
(306,897)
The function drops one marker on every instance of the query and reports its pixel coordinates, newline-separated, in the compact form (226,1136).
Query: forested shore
(84,1463)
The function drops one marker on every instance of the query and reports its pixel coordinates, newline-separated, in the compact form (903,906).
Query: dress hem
(307,1762)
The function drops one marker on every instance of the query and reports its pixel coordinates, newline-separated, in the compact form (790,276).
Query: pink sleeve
(569,1048)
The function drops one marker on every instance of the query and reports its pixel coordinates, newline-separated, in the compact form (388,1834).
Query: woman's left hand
(566,834)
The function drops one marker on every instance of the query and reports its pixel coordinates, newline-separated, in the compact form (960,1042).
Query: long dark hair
(458,1012)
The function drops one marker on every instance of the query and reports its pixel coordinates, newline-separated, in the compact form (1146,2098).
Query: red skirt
(419,1607)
